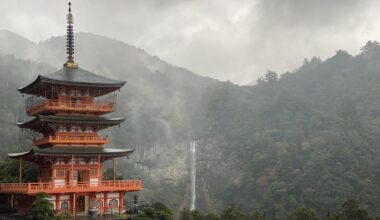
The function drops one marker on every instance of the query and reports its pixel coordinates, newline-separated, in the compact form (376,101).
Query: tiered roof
(75,77)
(44,123)
(35,153)
(70,77)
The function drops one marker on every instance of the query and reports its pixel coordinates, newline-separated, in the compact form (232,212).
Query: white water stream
(193,172)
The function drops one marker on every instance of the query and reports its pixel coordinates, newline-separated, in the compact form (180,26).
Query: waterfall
(193,172)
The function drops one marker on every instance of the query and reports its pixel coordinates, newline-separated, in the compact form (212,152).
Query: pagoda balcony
(80,187)
(98,106)
(71,138)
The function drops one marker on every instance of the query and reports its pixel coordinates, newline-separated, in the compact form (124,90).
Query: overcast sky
(235,40)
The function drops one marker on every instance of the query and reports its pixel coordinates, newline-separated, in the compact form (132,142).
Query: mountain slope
(307,138)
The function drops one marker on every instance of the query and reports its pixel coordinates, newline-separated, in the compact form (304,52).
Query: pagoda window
(113,203)
(65,205)
(93,172)
(60,173)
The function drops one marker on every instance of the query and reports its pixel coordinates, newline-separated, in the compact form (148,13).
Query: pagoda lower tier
(100,202)
(73,179)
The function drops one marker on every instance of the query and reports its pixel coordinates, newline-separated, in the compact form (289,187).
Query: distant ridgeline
(307,138)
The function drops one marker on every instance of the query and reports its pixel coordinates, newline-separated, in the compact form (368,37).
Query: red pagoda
(67,107)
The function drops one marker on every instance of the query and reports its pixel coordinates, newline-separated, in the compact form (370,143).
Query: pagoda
(68,108)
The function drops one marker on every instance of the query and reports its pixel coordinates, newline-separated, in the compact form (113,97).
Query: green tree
(234,213)
(258,215)
(163,212)
(147,214)
(9,171)
(185,214)
(64,216)
(352,211)
(302,214)
(41,208)
(196,215)
(271,76)
(108,175)
(212,216)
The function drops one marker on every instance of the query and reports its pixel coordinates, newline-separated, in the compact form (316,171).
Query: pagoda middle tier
(69,130)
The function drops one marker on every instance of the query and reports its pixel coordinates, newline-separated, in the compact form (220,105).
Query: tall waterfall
(193,172)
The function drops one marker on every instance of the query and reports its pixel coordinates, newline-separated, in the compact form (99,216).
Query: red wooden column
(72,170)
(101,204)
(121,201)
(20,177)
(105,202)
(99,171)
(71,203)
(74,206)
(114,171)
(57,203)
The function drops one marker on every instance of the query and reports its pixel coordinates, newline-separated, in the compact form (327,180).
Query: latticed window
(64,205)
(93,172)
(113,203)
(60,173)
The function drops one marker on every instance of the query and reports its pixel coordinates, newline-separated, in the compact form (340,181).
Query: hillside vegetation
(307,138)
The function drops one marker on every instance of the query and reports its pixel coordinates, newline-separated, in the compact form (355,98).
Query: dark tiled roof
(39,122)
(68,151)
(73,77)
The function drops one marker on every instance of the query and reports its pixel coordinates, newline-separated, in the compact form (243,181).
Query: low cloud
(227,40)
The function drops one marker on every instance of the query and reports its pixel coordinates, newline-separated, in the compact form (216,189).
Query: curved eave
(116,85)
(19,155)
(34,152)
(29,87)
(82,120)
(41,80)
(76,77)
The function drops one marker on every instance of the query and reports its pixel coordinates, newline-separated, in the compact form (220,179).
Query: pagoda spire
(70,40)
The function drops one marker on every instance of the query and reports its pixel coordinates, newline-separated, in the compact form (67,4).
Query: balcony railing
(103,186)
(72,139)
(102,105)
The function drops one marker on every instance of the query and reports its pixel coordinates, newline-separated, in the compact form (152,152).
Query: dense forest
(307,138)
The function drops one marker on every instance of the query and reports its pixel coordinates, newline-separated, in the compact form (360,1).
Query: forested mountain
(307,138)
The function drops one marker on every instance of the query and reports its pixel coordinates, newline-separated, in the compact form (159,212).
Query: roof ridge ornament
(70,41)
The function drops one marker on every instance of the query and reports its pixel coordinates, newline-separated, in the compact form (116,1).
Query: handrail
(30,188)
(84,138)
(75,137)
(33,107)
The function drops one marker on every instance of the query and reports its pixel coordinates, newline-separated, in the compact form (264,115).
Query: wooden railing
(52,105)
(103,186)
(72,138)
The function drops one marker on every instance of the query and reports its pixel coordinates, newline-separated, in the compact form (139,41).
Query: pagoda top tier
(74,77)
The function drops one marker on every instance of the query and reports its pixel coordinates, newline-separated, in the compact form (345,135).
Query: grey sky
(235,40)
